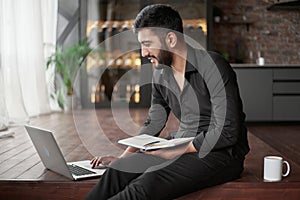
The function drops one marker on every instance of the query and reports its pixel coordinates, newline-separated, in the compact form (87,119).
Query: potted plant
(67,62)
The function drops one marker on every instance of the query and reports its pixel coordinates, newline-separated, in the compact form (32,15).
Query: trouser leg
(181,176)
(111,183)
(121,172)
(187,174)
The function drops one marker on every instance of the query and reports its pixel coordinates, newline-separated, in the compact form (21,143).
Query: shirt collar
(190,60)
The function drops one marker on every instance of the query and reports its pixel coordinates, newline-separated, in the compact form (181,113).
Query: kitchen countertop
(252,65)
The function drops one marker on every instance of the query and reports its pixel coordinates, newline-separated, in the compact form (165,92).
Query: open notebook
(147,142)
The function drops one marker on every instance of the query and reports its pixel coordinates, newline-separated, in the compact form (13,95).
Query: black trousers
(143,176)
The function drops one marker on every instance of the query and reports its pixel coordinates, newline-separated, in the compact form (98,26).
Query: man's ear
(171,39)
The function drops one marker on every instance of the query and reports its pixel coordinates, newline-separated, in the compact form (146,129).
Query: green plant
(67,61)
(225,55)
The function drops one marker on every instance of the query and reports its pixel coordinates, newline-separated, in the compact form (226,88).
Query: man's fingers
(105,160)
(95,161)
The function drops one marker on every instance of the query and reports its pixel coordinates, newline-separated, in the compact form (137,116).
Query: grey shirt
(209,107)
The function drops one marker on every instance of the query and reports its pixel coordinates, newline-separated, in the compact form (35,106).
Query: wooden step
(23,176)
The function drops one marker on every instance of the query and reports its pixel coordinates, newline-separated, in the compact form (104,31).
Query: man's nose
(145,52)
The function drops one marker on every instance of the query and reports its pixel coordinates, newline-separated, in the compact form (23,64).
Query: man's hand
(107,160)
(171,153)
(104,160)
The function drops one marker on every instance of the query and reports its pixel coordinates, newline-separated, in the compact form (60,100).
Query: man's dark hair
(160,16)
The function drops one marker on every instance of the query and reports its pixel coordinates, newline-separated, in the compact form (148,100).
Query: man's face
(153,48)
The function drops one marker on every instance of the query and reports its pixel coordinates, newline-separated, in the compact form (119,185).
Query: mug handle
(287,168)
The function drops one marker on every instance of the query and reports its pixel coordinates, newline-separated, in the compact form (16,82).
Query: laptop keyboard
(79,171)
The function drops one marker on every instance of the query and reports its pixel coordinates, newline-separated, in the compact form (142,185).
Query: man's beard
(164,58)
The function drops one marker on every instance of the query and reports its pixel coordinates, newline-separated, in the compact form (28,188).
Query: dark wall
(276,34)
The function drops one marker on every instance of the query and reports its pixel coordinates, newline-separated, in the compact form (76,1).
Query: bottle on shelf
(115,28)
(97,94)
(125,26)
(136,60)
(93,95)
(119,62)
(111,63)
(128,62)
(260,60)
(102,92)
(128,92)
(102,32)
(116,92)
(136,94)
(251,57)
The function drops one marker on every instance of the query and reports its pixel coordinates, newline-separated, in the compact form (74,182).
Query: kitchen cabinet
(269,93)
(286,94)
(256,92)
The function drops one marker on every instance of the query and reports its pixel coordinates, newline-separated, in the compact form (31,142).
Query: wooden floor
(284,137)
(85,133)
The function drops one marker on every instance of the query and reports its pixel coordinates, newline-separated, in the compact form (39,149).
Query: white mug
(273,168)
(260,61)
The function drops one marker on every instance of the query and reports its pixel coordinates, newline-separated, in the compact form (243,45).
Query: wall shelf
(246,23)
(287,5)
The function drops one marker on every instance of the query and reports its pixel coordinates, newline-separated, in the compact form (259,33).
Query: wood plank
(12,152)
(10,143)
(16,159)
(53,190)
(19,168)
(254,160)
(35,172)
(284,138)
(247,191)
(78,190)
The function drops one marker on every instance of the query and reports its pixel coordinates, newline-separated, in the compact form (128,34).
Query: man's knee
(150,185)
(136,190)
(136,163)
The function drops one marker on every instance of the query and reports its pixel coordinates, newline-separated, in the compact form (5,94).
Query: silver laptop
(52,158)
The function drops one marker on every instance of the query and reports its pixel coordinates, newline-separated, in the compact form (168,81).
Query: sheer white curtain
(27,37)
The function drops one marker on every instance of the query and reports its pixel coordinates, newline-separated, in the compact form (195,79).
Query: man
(200,88)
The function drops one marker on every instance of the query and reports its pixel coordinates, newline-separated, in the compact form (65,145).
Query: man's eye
(146,44)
